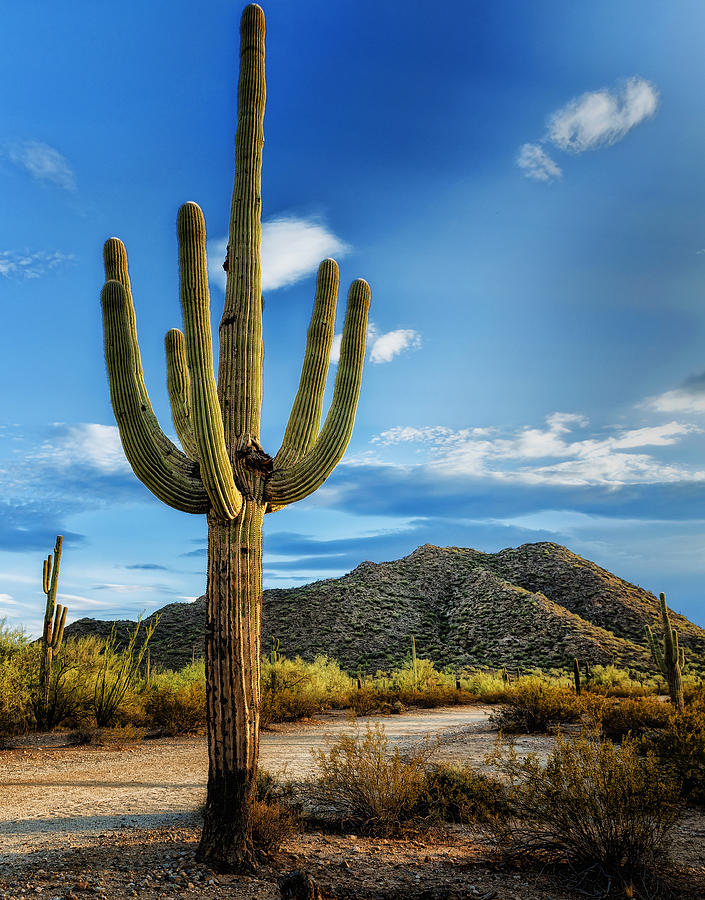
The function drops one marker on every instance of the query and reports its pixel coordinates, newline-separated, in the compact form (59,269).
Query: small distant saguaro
(53,632)
(223,471)
(671,657)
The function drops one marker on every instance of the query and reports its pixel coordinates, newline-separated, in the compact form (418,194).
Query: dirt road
(51,795)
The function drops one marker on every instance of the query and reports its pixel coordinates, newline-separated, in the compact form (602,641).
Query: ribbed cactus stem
(53,631)
(305,419)
(206,417)
(224,471)
(670,659)
(576,676)
(178,383)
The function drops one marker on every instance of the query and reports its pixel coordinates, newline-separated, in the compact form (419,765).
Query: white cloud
(42,162)
(688,398)
(96,446)
(679,400)
(291,249)
(382,347)
(385,347)
(535,163)
(603,117)
(31,265)
(549,455)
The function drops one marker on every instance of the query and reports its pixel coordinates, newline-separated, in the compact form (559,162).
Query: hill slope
(536,605)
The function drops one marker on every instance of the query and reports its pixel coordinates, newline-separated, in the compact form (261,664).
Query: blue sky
(522,186)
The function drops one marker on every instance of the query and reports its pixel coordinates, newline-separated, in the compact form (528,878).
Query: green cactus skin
(223,471)
(53,632)
(576,676)
(671,659)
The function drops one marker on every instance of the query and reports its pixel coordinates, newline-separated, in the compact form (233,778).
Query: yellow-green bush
(619,717)
(369,786)
(602,810)
(460,795)
(175,702)
(680,746)
(532,704)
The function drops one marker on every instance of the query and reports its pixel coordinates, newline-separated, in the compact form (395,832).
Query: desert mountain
(536,605)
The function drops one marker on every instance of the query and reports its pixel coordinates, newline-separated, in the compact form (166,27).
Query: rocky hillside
(537,605)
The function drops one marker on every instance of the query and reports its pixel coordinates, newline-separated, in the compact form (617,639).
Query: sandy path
(66,793)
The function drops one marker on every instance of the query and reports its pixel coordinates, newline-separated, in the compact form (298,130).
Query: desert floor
(121,821)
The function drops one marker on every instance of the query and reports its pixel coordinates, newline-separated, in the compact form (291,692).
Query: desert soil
(121,821)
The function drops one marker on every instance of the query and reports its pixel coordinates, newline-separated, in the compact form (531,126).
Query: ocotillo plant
(576,675)
(53,633)
(671,658)
(414,665)
(224,472)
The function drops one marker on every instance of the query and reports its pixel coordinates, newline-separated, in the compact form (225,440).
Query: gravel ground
(117,822)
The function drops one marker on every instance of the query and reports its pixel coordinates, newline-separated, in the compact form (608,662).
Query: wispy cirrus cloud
(599,118)
(29,265)
(537,164)
(552,454)
(592,120)
(292,248)
(42,162)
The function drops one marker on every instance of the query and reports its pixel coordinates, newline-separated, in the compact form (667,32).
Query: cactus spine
(671,658)
(223,471)
(576,675)
(53,632)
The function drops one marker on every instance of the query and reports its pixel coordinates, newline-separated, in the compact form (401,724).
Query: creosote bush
(175,702)
(603,811)
(680,747)
(368,786)
(630,716)
(532,704)
(460,795)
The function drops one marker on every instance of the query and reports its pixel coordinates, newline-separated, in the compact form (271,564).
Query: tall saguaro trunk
(223,472)
(234,605)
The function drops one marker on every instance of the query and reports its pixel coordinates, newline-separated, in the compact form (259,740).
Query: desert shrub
(490,687)
(618,718)
(293,689)
(272,823)
(459,794)
(368,786)
(532,704)
(118,673)
(15,695)
(175,702)
(612,681)
(603,810)
(71,681)
(680,746)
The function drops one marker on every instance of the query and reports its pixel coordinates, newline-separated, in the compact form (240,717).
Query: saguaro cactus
(224,472)
(576,675)
(671,658)
(53,633)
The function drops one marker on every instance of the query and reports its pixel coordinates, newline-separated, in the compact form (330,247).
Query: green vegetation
(671,657)
(603,811)
(54,621)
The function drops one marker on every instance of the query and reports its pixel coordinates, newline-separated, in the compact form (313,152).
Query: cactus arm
(59,622)
(159,465)
(304,477)
(206,416)
(305,419)
(178,384)
(655,650)
(240,366)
